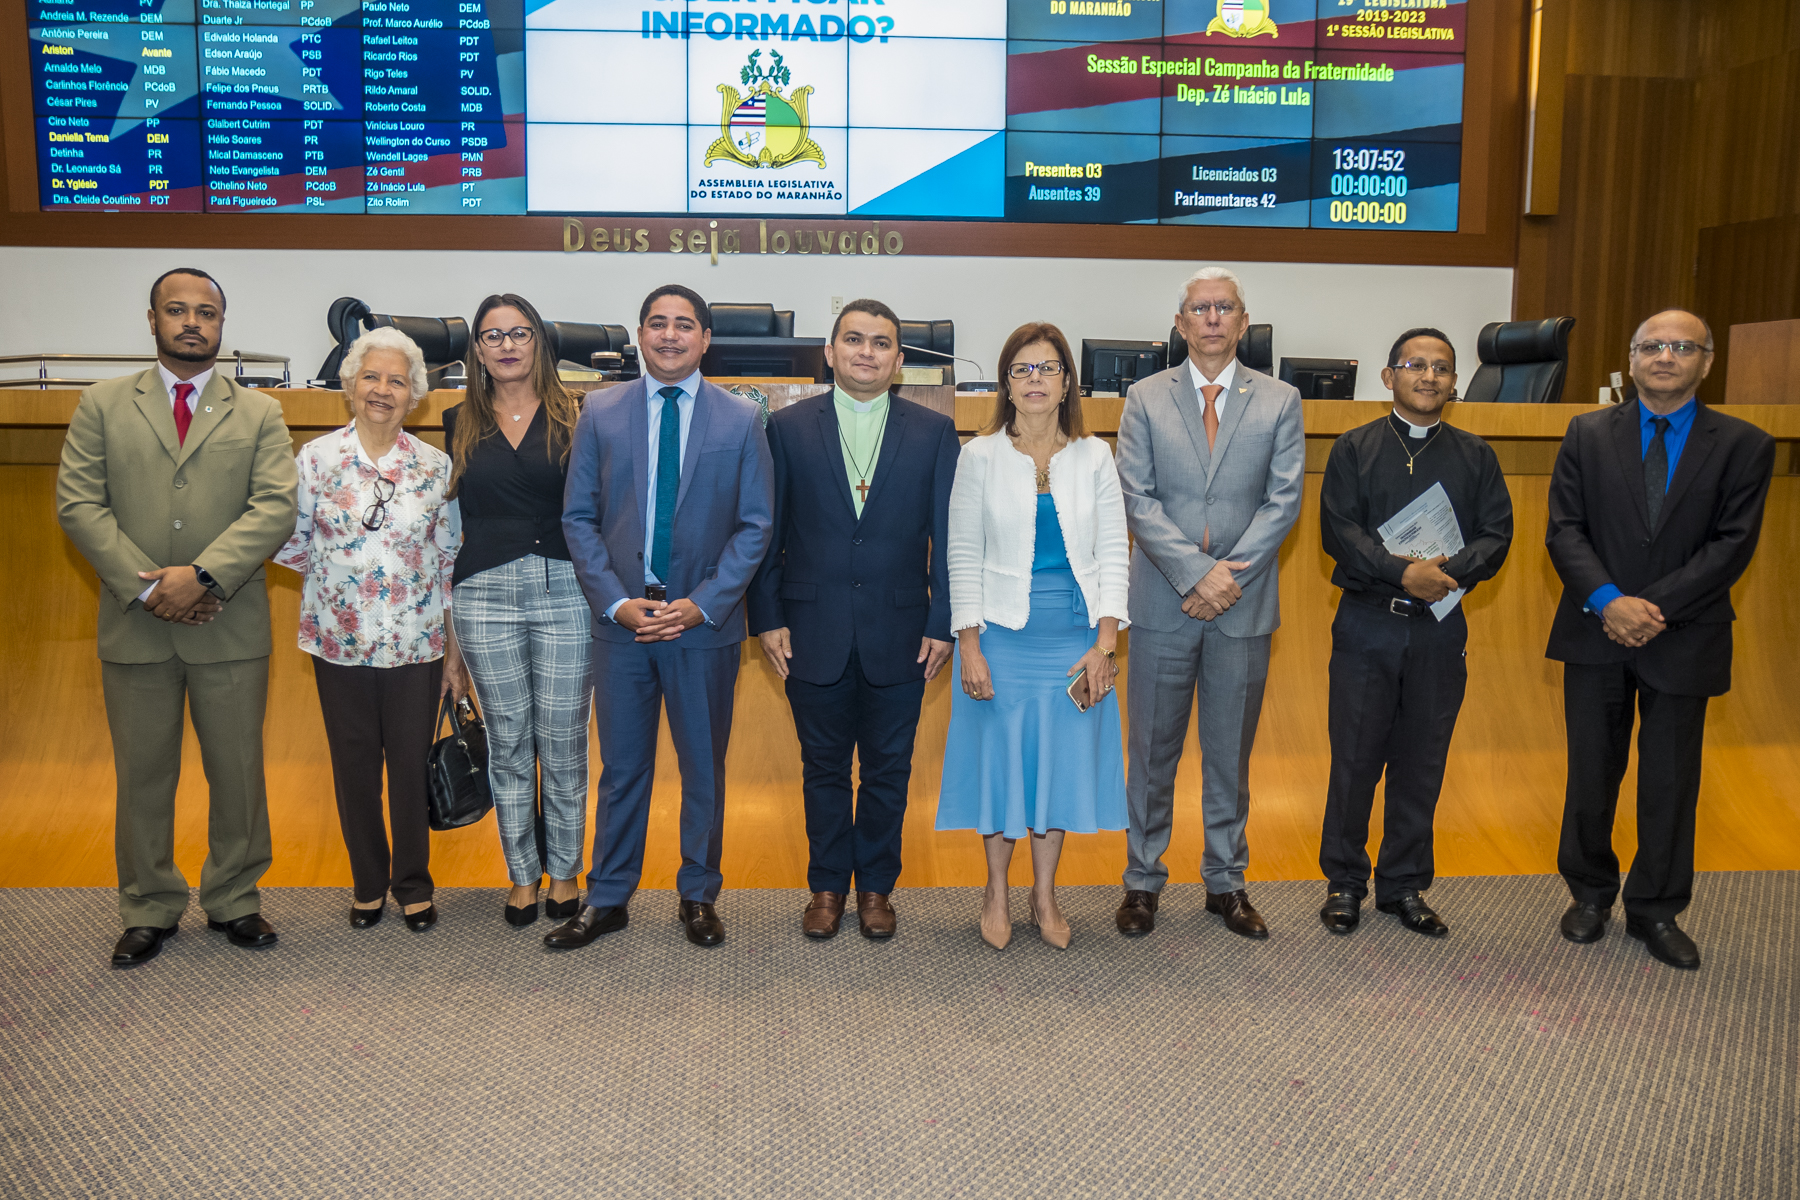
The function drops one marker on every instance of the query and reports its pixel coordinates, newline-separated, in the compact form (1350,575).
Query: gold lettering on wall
(715,240)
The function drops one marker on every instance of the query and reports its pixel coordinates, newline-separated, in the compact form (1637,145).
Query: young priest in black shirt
(1397,670)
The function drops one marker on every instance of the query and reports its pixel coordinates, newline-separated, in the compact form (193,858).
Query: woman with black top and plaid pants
(521,622)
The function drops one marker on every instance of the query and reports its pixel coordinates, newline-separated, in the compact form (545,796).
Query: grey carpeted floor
(470,1062)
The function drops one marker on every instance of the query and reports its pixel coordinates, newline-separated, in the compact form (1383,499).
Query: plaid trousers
(527,636)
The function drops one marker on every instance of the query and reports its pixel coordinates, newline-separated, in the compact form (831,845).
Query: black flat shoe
(1585,923)
(251,931)
(422,920)
(701,923)
(521,915)
(1666,942)
(1341,913)
(588,924)
(562,910)
(1415,914)
(140,944)
(363,918)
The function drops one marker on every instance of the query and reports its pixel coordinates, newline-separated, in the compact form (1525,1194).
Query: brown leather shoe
(874,915)
(1138,914)
(1240,917)
(820,920)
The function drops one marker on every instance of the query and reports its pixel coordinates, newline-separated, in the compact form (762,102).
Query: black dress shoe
(1137,915)
(363,918)
(1240,917)
(521,915)
(1585,923)
(422,920)
(140,944)
(588,924)
(1342,912)
(1665,941)
(1414,913)
(702,924)
(562,910)
(250,931)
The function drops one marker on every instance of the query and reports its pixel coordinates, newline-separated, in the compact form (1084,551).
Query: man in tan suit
(176,484)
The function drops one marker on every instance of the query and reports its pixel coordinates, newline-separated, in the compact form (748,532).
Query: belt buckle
(1401,608)
(656,591)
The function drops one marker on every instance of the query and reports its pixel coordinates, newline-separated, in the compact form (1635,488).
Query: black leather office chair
(1522,362)
(442,340)
(577,343)
(1256,349)
(751,320)
(937,342)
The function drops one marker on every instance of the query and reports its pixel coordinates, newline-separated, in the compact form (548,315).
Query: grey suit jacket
(132,497)
(1246,491)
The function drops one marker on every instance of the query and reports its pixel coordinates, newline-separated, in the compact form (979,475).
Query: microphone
(905,350)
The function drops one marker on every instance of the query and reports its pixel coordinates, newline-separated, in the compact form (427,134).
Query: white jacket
(993,531)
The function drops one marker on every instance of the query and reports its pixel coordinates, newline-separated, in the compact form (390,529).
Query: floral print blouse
(373,598)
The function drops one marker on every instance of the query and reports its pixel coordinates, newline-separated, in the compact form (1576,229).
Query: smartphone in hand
(1078,691)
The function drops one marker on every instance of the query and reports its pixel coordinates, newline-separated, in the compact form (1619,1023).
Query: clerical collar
(845,400)
(1415,431)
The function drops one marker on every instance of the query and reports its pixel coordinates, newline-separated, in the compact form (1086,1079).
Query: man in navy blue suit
(667,513)
(852,605)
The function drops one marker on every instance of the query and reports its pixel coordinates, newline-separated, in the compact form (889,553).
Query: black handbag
(456,769)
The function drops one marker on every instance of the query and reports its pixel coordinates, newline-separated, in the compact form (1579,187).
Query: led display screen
(1292,113)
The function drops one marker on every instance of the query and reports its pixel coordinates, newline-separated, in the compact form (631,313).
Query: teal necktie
(668,481)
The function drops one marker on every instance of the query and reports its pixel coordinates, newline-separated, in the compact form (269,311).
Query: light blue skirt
(1028,760)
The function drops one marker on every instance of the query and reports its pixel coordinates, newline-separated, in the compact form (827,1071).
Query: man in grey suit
(668,511)
(1210,458)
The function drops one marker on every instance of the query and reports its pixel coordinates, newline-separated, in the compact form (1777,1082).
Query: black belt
(656,591)
(1398,606)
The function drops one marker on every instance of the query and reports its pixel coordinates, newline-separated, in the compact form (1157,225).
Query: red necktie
(184,415)
(1210,416)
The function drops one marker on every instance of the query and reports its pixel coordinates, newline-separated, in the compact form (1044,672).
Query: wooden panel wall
(1680,177)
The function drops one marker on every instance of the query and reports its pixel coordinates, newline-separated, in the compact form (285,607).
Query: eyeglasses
(1198,309)
(1683,349)
(1419,366)
(521,336)
(375,516)
(1050,368)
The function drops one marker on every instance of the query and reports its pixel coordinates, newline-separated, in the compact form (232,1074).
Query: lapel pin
(209,408)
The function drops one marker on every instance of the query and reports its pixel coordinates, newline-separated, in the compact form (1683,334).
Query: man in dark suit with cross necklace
(852,605)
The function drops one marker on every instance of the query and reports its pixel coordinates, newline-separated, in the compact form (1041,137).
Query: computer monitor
(1109,368)
(766,357)
(1321,378)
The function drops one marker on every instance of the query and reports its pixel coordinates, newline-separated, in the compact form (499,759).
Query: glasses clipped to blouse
(375,516)
(520,335)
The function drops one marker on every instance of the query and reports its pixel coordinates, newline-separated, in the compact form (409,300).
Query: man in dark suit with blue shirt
(1655,508)
(667,513)
(853,605)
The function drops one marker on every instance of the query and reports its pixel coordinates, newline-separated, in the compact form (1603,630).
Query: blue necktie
(668,481)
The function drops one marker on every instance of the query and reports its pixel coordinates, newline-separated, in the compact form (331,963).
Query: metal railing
(44,380)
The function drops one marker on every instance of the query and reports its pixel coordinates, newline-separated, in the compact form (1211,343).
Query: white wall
(93,300)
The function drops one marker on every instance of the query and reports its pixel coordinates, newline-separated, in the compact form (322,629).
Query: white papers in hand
(1425,529)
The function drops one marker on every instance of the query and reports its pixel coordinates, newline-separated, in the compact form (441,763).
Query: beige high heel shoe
(997,936)
(1052,937)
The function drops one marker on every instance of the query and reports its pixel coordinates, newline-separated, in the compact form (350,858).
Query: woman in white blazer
(1039,567)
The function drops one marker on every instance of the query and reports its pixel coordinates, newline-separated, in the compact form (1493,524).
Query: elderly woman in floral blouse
(375,541)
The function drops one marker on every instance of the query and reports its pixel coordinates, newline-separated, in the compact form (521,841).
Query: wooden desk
(1499,815)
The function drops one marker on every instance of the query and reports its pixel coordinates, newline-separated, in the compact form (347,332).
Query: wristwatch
(1108,653)
(205,578)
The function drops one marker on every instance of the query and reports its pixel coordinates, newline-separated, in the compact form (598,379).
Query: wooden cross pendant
(862,488)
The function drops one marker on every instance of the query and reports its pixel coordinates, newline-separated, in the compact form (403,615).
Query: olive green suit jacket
(133,497)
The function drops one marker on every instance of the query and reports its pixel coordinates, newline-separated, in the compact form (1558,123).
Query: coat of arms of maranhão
(1243,18)
(763,128)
